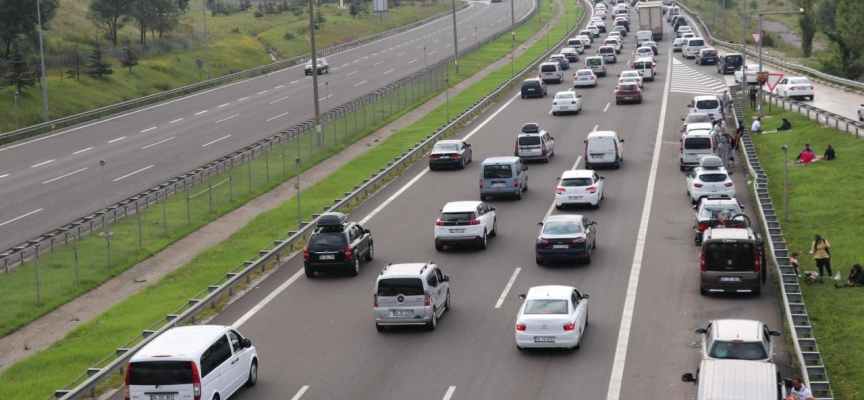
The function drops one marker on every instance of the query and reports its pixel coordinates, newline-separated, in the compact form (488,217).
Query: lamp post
(105,230)
(318,135)
(42,58)
(547,37)
(206,37)
(447,93)
(744,50)
(455,40)
(299,209)
(759,15)
(327,96)
(513,19)
(15,96)
(476,46)
(511,59)
(785,182)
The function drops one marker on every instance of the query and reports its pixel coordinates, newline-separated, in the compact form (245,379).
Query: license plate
(327,257)
(444,157)
(563,107)
(401,313)
(544,339)
(689,155)
(597,155)
(730,279)
(161,397)
(498,185)
(560,246)
(457,230)
(628,97)
(575,197)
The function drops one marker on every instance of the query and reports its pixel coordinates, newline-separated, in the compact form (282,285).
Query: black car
(337,244)
(729,63)
(678,23)
(706,56)
(450,153)
(533,87)
(714,212)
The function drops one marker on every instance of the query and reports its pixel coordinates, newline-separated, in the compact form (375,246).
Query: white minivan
(603,148)
(692,46)
(694,145)
(708,104)
(643,36)
(192,362)
(645,65)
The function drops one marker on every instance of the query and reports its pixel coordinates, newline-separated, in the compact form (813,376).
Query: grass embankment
(824,198)
(42,373)
(230,52)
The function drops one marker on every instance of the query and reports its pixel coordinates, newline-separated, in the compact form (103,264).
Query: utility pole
(455,39)
(318,134)
(42,57)
(206,39)
(744,50)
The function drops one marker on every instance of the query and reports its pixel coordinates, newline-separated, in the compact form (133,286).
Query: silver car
(678,44)
(737,339)
(411,294)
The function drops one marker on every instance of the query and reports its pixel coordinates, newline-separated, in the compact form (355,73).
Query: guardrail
(242,274)
(813,370)
(796,68)
(811,112)
(157,97)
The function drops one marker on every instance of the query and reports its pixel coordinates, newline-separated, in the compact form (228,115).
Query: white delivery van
(736,380)
(644,65)
(692,46)
(551,72)
(603,148)
(643,36)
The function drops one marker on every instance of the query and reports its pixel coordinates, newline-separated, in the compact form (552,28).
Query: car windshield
(799,81)
(327,241)
(607,50)
(697,143)
(738,351)
(564,96)
(707,104)
(649,43)
(529,140)
(457,216)
(712,177)
(696,42)
(397,286)
(576,182)
(446,147)
(695,118)
(729,256)
(562,228)
(630,74)
(546,306)
(710,53)
(644,50)
(715,210)
(531,83)
(497,171)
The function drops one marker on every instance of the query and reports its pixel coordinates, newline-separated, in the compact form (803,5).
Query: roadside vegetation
(825,199)
(42,373)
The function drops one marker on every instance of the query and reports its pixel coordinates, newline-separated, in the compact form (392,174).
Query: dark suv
(729,63)
(533,87)
(337,244)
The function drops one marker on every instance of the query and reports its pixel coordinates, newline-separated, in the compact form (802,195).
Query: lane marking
(345,65)
(63,176)
(41,164)
(325,97)
(300,393)
(293,82)
(160,142)
(387,72)
(225,119)
(117,140)
(433,52)
(25,215)
(223,105)
(595,128)
(148,129)
(278,100)
(630,300)
(176,120)
(413,61)
(4,175)
(352,73)
(358,84)
(379,63)
(81,151)
(280,86)
(507,288)
(449,393)
(238,100)
(607,107)
(449,45)
(128,175)
(400,54)
(355,61)
(280,115)
(223,137)
(202,112)
(267,299)
(435,40)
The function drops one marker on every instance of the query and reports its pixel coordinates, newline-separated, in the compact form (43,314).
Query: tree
(165,16)
(848,56)
(142,12)
(354,9)
(110,15)
(809,25)
(130,56)
(19,71)
(320,20)
(18,18)
(77,60)
(98,66)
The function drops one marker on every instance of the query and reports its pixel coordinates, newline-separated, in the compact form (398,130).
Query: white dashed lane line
(63,176)
(387,72)
(433,52)
(241,99)
(223,105)
(176,120)
(280,115)
(300,392)
(202,112)
(351,73)
(148,129)
(400,54)
(209,143)
(507,288)
(159,142)
(25,215)
(3,176)
(262,92)
(607,107)
(117,140)
(278,100)
(412,61)
(280,86)
(83,150)
(379,63)
(358,84)
(225,119)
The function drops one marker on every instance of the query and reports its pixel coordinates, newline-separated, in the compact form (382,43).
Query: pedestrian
(723,149)
(752,98)
(856,277)
(757,126)
(821,251)
(829,154)
(799,392)
(727,102)
(793,261)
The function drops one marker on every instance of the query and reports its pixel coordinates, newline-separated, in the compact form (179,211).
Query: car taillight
(637,90)
(728,184)
(349,253)
(578,240)
(687,49)
(632,67)
(196,382)
(516,182)
(554,103)
(542,241)
(433,157)
(480,183)
(592,77)
(306,254)
(375,300)
(520,326)
(792,88)
(543,146)
(439,223)
(455,156)
(702,227)
(427,299)
(569,327)
(620,80)
(126,385)
(573,102)
(757,262)
(474,222)
(617,91)
(702,261)
(681,145)
(698,185)
(591,189)
(811,87)
(560,190)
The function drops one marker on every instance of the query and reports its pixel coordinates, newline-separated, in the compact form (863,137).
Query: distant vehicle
(533,87)
(323,67)
(450,153)
(596,64)
(793,87)
(748,70)
(561,60)
(567,102)
(630,77)
(465,223)
(678,45)
(410,294)
(551,72)
(608,54)
(628,93)
(571,54)
(584,77)
(646,52)
(534,143)
(706,56)
(551,316)
(337,244)
(729,63)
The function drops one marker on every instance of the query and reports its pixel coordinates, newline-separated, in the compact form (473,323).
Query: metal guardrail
(796,68)
(157,97)
(819,114)
(294,239)
(813,369)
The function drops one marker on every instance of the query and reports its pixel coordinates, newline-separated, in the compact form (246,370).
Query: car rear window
(710,53)
(584,73)
(604,50)
(712,177)
(696,42)
(546,306)
(497,171)
(548,68)
(574,182)
(627,87)
(457,216)
(446,147)
(562,228)
(734,59)
(707,104)
(153,373)
(727,211)
(328,240)
(729,256)
(696,118)
(397,286)
(564,96)
(530,83)
(738,351)
(529,140)
(799,81)
(593,62)
(697,143)
(642,65)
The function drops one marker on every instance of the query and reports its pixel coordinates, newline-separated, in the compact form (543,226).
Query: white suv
(410,294)
(465,222)
(709,179)
(579,186)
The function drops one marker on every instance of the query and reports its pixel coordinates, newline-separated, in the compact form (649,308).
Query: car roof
(557,55)
(577,173)
(699,125)
(460,206)
(709,201)
(631,72)
(549,292)
(450,141)
(697,132)
(585,70)
(180,342)
(602,134)
(401,270)
(501,160)
(705,97)
(550,63)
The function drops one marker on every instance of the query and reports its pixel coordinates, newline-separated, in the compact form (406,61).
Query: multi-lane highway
(52,179)
(316,336)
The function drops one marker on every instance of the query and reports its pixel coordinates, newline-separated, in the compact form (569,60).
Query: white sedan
(750,70)
(566,102)
(584,77)
(798,86)
(644,51)
(630,77)
(552,316)
(615,43)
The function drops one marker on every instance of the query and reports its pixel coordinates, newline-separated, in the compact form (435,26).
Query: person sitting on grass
(806,157)
(856,277)
(787,126)
(829,154)
(757,126)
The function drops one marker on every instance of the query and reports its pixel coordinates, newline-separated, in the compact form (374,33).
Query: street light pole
(476,46)
(105,230)
(206,38)
(744,49)
(299,209)
(455,40)
(327,96)
(16,109)
(447,93)
(547,37)
(785,182)
(318,135)
(42,57)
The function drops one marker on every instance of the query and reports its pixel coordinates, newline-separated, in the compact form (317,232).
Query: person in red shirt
(806,157)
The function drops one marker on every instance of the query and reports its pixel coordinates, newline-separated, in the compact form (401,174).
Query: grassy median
(39,375)
(824,198)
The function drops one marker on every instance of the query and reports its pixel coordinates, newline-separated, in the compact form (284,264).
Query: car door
(237,372)
(781,87)
(598,181)
(550,143)
(223,360)
(589,231)
(578,310)
(690,177)
(355,240)
(435,290)
(768,341)
(706,341)
(444,285)
(365,239)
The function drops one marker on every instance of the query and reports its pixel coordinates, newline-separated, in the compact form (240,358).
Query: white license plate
(730,279)
(575,197)
(161,397)
(327,257)
(444,157)
(560,246)
(564,107)
(498,185)
(689,155)
(401,313)
(597,155)
(544,339)
(457,230)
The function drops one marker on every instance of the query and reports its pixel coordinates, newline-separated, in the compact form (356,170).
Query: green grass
(42,373)
(824,198)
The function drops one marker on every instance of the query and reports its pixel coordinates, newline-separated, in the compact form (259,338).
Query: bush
(768,40)
(235,30)
(289,36)
(258,14)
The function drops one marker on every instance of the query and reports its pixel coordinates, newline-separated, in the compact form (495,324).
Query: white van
(197,361)
(692,46)
(643,36)
(708,104)
(551,72)
(694,145)
(737,379)
(644,65)
(603,148)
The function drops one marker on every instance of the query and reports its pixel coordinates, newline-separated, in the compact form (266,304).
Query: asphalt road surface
(316,337)
(55,178)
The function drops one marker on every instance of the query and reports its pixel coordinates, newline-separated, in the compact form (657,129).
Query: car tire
(588,259)
(483,197)
(595,85)
(538,261)
(380,328)
(447,302)
(554,113)
(594,244)
(617,103)
(439,247)
(252,380)
(702,291)
(355,269)
(310,272)
(519,195)
(371,253)
(596,206)
(431,325)
(758,291)
(579,110)
(617,164)
(559,207)
(494,231)
(812,98)
(587,166)
(462,165)
(484,243)
(523,96)
(546,160)
(681,167)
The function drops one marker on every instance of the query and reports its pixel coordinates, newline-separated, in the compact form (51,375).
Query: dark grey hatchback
(337,244)
(533,87)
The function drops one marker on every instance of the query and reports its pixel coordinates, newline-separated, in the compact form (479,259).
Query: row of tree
(149,16)
(841,21)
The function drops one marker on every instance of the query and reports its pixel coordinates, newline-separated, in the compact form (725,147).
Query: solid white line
(630,299)
(148,129)
(176,120)
(267,299)
(223,105)
(607,107)
(81,151)
(202,112)
(17,218)
(117,140)
(128,175)
(449,44)
(160,142)
(344,65)
(225,119)
(41,164)
(358,84)
(507,288)
(413,61)
(4,175)
(63,176)
(238,100)
(280,115)
(223,137)
(400,54)
(278,100)
(300,393)
(352,73)
(280,86)
(449,393)
(387,72)
(379,63)
(355,61)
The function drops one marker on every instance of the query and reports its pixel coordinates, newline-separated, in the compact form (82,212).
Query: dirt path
(45,331)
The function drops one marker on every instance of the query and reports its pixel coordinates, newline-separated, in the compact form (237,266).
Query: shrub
(235,30)
(289,36)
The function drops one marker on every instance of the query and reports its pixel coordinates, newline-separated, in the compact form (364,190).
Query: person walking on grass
(821,251)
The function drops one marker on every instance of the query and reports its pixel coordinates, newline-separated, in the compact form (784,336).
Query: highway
(55,178)
(316,337)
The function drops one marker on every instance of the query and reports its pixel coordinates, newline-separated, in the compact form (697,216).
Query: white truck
(651,19)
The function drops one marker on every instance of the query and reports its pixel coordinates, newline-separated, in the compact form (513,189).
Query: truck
(651,19)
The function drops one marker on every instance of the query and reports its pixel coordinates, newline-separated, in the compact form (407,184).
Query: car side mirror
(366,231)
(524,167)
(585,295)
(247,343)
(701,331)
(539,224)
(688,377)
(621,140)
(522,297)
(741,205)
(602,177)
(492,208)
(558,178)
(775,333)
(467,144)
(594,223)
(585,141)
(446,278)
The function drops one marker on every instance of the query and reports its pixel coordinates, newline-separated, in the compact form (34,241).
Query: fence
(812,368)
(157,97)
(113,363)
(798,69)
(821,116)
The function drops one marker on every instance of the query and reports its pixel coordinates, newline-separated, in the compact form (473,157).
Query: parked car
(748,70)
(710,178)
(796,87)
(716,211)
